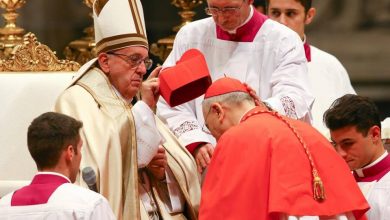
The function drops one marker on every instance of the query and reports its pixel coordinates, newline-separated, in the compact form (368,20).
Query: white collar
(304,39)
(53,173)
(359,171)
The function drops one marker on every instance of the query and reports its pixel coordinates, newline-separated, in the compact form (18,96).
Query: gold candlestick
(83,50)
(11,35)
(164,46)
(187,13)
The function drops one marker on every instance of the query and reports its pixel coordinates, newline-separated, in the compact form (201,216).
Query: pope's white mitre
(118,24)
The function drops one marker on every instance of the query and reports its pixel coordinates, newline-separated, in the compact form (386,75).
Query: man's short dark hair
(49,134)
(305,3)
(352,110)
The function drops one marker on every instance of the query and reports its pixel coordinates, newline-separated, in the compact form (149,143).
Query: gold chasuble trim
(130,203)
(184,169)
(99,5)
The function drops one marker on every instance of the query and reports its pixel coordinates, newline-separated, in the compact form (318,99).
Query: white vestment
(377,193)
(274,65)
(68,201)
(329,80)
(107,127)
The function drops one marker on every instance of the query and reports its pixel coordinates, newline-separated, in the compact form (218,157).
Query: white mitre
(118,24)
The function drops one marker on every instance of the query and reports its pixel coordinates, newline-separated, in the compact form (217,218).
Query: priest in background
(328,78)
(243,43)
(270,167)
(355,129)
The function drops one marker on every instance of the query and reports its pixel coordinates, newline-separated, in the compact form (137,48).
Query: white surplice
(377,193)
(274,65)
(68,201)
(329,80)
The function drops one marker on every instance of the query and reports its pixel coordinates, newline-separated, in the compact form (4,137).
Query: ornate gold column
(164,46)
(83,50)
(11,35)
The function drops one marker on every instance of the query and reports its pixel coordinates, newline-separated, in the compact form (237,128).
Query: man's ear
(375,133)
(310,15)
(103,62)
(69,152)
(217,108)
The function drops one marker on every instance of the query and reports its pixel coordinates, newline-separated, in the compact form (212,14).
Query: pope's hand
(203,156)
(150,88)
(158,164)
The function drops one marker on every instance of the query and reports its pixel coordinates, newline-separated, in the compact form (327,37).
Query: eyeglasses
(134,60)
(213,11)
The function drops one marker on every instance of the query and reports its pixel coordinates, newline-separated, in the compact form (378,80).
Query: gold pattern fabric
(109,138)
(110,148)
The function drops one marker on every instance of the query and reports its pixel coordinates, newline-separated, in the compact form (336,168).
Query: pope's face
(125,77)
(290,13)
(357,150)
(231,13)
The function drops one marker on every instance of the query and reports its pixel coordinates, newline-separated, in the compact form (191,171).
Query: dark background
(357,32)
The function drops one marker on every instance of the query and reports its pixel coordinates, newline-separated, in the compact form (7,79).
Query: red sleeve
(191,147)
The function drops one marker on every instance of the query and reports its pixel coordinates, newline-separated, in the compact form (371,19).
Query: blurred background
(357,32)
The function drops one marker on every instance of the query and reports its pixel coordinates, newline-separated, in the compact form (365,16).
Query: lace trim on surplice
(186,127)
(289,107)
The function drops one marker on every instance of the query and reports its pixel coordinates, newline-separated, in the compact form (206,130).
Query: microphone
(89,177)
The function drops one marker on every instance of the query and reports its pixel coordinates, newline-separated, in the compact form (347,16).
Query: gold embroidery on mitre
(99,5)
(120,41)
(137,18)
